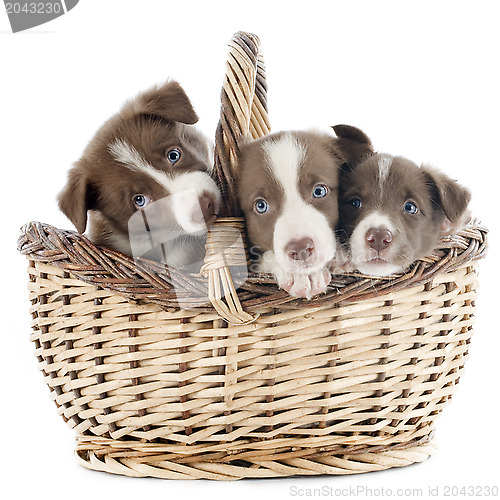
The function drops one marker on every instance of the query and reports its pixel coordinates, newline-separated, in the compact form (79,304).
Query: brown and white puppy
(143,181)
(392,212)
(287,189)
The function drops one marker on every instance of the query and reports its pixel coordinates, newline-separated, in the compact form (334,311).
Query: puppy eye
(410,208)
(174,155)
(261,206)
(320,191)
(355,202)
(141,200)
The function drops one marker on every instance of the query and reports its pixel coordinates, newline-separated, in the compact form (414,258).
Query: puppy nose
(207,205)
(300,250)
(378,238)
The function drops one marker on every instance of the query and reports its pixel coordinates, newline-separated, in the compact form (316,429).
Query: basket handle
(243,113)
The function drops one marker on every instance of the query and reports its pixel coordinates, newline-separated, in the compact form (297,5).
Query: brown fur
(101,189)
(256,180)
(295,238)
(441,202)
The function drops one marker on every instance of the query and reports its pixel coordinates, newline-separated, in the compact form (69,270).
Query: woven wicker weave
(254,383)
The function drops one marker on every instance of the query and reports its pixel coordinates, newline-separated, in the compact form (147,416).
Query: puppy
(392,212)
(287,188)
(143,182)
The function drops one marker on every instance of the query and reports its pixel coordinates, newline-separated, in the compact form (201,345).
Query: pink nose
(208,207)
(300,250)
(378,238)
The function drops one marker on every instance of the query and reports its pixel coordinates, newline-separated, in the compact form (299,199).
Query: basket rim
(243,114)
(144,280)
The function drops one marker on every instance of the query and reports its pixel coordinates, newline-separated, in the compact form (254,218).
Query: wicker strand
(149,281)
(226,249)
(165,468)
(243,112)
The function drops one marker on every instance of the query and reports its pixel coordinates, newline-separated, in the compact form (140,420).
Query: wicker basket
(252,383)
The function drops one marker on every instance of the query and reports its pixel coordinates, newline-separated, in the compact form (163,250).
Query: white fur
(284,158)
(384,166)
(186,188)
(361,253)
(133,160)
(298,284)
(298,219)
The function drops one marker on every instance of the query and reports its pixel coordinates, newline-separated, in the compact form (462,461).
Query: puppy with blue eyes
(287,188)
(143,184)
(392,212)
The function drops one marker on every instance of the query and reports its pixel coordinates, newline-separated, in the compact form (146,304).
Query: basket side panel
(50,291)
(120,369)
(376,371)
(332,380)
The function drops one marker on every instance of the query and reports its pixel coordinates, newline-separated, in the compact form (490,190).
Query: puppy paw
(296,284)
(305,285)
(319,281)
(341,263)
(344,267)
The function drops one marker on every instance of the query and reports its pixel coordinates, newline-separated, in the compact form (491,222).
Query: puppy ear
(77,197)
(168,101)
(353,143)
(450,196)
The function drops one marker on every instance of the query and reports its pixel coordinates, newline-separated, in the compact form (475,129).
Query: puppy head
(146,152)
(287,189)
(392,212)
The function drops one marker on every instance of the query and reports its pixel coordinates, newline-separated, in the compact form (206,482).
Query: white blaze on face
(384,166)
(298,219)
(185,188)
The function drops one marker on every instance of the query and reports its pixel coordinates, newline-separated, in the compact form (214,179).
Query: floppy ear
(77,197)
(450,196)
(168,101)
(353,143)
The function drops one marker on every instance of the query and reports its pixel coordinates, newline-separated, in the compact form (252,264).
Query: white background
(422,80)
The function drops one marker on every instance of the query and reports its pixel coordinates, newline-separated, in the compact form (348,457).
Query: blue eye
(355,202)
(141,200)
(261,206)
(174,155)
(410,208)
(320,191)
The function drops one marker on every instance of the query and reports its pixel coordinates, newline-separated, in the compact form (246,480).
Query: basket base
(144,466)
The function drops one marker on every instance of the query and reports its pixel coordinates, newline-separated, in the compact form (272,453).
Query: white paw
(304,285)
(296,284)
